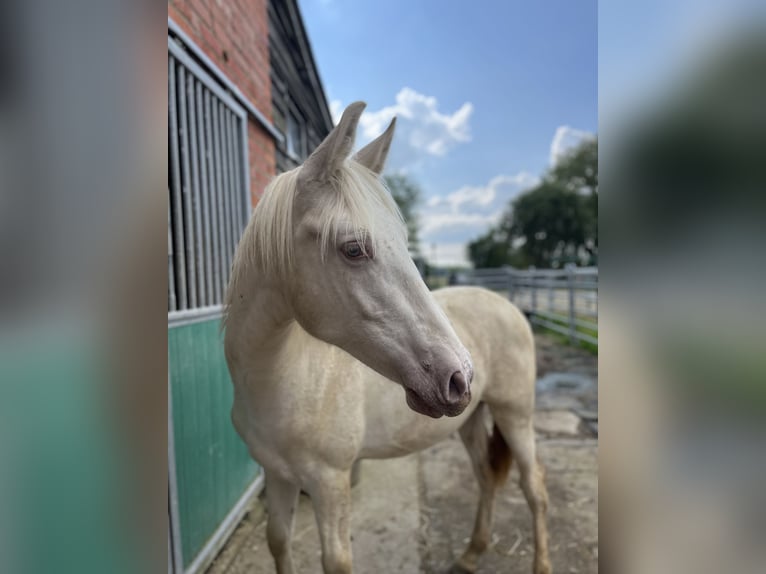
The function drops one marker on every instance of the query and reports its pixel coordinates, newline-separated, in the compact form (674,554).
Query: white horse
(329,327)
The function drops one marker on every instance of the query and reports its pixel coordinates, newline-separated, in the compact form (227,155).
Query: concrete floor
(415,514)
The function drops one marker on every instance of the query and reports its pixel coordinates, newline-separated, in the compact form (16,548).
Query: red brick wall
(235,35)
(263,161)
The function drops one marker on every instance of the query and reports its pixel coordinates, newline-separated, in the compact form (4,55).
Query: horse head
(349,277)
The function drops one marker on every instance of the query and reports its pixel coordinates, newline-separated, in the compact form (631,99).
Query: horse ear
(329,156)
(373,155)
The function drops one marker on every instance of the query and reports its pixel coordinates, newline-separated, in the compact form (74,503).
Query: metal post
(223,187)
(511,284)
(245,167)
(570,287)
(199,248)
(238,197)
(171,271)
(178,235)
(533,287)
(204,152)
(551,283)
(186,191)
(214,202)
(227,185)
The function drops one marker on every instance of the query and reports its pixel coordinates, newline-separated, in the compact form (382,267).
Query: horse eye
(353,250)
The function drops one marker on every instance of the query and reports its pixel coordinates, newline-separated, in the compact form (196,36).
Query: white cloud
(336,110)
(565,138)
(446,254)
(422,129)
(427,129)
(430,223)
(434,201)
(499,186)
(454,219)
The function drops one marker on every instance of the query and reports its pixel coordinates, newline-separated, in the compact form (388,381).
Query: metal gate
(211,475)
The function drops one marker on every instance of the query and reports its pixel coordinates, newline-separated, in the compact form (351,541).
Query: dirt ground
(415,514)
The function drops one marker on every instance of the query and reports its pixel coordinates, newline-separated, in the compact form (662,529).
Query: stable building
(245,102)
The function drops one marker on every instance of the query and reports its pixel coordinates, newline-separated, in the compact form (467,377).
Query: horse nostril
(458,387)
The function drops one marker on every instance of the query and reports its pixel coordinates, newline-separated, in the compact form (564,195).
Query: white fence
(563,300)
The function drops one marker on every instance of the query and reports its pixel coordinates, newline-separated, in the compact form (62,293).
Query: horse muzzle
(448,394)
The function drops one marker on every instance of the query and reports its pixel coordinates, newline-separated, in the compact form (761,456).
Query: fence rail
(563,300)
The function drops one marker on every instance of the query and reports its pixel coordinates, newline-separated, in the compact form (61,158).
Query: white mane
(360,200)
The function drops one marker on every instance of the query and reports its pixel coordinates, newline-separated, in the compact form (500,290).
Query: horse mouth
(423,407)
(417,404)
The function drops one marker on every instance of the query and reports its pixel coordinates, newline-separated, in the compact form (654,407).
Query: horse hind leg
(520,436)
(491,461)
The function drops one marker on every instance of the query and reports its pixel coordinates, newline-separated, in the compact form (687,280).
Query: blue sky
(487,94)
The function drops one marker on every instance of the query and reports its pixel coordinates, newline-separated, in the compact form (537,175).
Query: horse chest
(392,429)
(292,422)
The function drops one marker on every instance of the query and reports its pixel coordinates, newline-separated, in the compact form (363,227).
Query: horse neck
(258,324)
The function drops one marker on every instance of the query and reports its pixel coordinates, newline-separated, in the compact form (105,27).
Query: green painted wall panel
(213,465)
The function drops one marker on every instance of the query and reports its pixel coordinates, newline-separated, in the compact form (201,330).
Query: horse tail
(499,454)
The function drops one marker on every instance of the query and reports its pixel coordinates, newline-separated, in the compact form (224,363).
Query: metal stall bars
(211,475)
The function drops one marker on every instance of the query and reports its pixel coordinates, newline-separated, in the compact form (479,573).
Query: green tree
(578,169)
(494,249)
(490,250)
(550,224)
(554,223)
(407,195)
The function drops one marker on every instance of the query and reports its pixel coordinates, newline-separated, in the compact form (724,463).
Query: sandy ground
(415,514)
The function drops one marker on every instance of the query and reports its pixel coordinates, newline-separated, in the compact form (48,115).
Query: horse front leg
(281,500)
(331,495)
